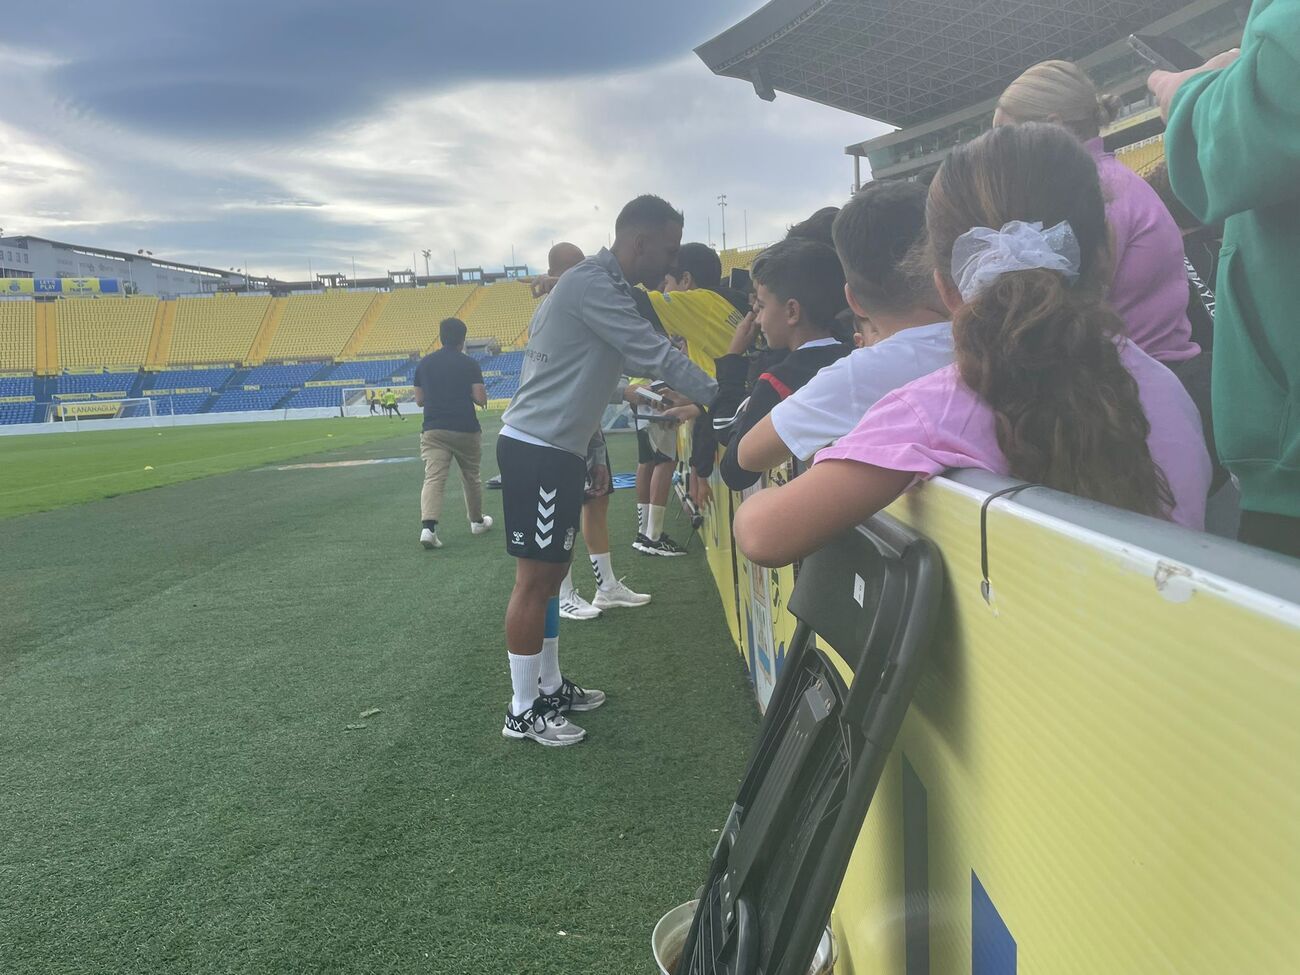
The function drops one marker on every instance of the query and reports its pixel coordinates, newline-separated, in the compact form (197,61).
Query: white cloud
(476,169)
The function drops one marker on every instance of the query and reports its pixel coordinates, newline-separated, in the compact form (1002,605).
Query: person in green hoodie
(1233,150)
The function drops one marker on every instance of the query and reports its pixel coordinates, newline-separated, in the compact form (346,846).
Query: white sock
(642,513)
(654,522)
(524,670)
(566,587)
(603,567)
(549,673)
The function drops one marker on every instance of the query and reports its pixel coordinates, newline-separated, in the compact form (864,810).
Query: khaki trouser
(438,447)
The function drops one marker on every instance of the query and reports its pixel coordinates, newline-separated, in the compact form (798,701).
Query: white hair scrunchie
(982,255)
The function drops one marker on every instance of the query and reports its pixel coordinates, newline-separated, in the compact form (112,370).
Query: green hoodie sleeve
(1233,139)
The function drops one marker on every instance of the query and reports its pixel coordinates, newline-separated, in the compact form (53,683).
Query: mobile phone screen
(1165,52)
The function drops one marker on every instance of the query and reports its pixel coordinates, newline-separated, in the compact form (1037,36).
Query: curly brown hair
(1039,349)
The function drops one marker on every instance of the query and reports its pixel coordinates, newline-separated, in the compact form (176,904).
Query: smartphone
(1164,52)
(740,280)
(646,394)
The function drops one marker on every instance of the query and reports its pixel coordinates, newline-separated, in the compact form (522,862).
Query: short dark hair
(816,227)
(648,210)
(703,263)
(878,236)
(452,332)
(807,271)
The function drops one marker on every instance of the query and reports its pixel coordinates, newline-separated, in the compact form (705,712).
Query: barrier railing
(1100,769)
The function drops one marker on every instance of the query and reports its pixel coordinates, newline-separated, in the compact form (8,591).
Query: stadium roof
(908,61)
(123,255)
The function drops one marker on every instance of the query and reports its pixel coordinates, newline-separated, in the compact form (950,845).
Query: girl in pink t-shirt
(1044,388)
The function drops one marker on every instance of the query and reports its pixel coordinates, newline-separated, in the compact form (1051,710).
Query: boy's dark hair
(647,211)
(807,271)
(452,332)
(878,235)
(816,227)
(703,263)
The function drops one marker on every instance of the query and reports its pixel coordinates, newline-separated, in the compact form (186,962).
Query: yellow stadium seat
(737,258)
(502,312)
(17,336)
(318,326)
(109,332)
(219,329)
(1142,157)
(409,321)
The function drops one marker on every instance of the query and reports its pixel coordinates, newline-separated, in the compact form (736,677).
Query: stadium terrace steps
(408,321)
(318,326)
(367,324)
(501,311)
(47,338)
(160,339)
(266,331)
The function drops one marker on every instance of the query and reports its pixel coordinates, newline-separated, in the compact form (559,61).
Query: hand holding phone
(1164,52)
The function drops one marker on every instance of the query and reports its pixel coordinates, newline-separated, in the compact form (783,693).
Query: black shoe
(644,545)
(667,547)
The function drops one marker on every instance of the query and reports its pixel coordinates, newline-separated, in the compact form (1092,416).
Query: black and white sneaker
(543,724)
(571,697)
(666,547)
(643,544)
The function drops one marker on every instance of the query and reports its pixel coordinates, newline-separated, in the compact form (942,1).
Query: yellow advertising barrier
(1100,770)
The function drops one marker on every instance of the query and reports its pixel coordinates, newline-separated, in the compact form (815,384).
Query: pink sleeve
(895,436)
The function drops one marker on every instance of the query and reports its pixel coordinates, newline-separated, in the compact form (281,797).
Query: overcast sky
(281,131)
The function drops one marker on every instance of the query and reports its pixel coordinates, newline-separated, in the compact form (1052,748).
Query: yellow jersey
(705,319)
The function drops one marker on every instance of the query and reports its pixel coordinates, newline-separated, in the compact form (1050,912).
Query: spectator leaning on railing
(1233,148)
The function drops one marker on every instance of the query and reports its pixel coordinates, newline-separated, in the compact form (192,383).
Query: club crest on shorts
(568,540)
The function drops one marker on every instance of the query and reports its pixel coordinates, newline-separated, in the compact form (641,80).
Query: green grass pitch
(181,655)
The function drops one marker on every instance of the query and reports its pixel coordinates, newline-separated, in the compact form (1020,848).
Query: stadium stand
(501,312)
(409,321)
(1142,157)
(186,379)
(501,374)
(181,403)
(238,400)
(99,384)
(17,335)
(318,325)
(314,397)
(22,412)
(105,332)
(282,374)
(217,329)
(374,371)
(738,258)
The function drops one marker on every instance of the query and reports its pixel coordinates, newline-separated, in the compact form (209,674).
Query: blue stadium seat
(239,400)
(187,379)
(96,382)
(282,375)
(375,371)
(21,412)
(316,396)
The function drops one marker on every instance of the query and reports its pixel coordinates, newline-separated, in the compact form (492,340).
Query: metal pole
(746,212)
(354,270)
(722,205)
(311,278)
(857,173)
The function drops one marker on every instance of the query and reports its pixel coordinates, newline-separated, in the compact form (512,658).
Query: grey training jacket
(583,337)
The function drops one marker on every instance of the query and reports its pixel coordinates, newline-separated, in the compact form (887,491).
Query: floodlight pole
(426,252)
(722,205)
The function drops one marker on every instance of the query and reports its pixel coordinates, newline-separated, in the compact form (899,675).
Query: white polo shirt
(831,403)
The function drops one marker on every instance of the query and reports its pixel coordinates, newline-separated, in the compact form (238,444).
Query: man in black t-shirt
(448,384)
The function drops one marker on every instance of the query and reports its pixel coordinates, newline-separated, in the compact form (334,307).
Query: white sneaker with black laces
(619,595)
(543,724)
(571,697)
(430,539)
(574,607)
(643,544)
(479,527)
(666,547)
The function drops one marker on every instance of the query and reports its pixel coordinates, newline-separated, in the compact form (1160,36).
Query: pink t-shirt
(1150,289)
(937,422)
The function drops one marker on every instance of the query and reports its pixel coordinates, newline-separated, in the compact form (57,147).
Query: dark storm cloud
(245,69)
